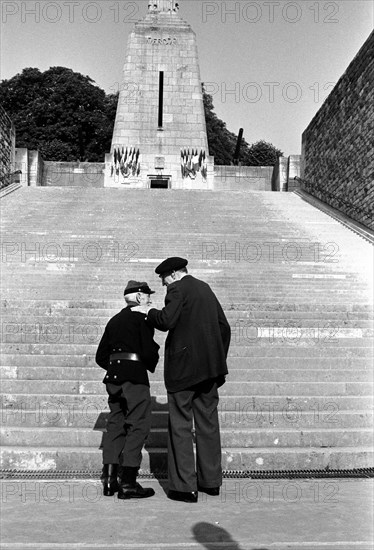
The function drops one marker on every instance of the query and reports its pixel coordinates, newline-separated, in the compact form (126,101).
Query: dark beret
(136,286)
(171,264)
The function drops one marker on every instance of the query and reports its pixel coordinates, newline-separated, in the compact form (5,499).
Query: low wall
(36,172)
(337,146)
(242,178)
(73,174)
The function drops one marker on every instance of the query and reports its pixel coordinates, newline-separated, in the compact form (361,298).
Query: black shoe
(109,479)
(130,490)
(212,491)
(183,496)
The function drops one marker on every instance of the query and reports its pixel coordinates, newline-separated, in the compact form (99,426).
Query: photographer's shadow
(215,538)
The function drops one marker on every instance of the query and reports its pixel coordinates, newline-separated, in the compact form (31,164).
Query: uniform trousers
(198,403)
(128,424)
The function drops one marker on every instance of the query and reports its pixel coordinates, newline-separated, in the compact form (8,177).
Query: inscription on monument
(167,41)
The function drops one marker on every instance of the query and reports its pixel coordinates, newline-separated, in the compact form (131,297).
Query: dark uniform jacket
(199,334)
(128,332)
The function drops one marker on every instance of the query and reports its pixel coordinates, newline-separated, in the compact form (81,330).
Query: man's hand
(141,309)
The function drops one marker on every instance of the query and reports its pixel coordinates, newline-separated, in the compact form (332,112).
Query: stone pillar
(294,162)
(279,179)
(161,42)
(35,168)
(22,163)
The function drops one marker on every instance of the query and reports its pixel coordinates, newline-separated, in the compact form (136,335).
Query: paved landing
(334,514)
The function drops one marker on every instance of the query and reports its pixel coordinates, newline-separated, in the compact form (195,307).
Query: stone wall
(73,174)
(7,147)
(36,172)
(242,178)
(337,146)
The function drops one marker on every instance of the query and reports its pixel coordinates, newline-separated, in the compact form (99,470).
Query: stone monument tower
(159,138)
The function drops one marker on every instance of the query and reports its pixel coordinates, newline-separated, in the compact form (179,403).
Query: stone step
(56,292)
(89,335)
(63,306)
(265,417)
(221,244)
(35,357)
(243,333)
(294,256)
(26,366)
(155,460)
(295,275)
(100,317)
(278,283)
(244,372)
(63,387)
(11,326)
(286,368)
(249,310)
(282,258)
(288,345)
(233,438)
(93,405)
(245,248)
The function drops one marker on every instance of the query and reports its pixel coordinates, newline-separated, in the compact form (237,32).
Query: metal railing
(227,474)
(334,198)
(8,179)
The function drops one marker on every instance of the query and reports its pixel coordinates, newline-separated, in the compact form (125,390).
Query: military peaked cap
(171,264)
(136,286)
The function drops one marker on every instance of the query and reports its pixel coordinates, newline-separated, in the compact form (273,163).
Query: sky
(269,64)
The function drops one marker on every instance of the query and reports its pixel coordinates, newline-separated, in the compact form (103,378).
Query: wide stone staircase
(296,286)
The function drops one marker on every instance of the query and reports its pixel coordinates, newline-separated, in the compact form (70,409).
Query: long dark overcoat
(199,334)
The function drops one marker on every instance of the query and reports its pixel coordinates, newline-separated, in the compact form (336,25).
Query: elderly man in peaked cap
(126,351)
(195,366)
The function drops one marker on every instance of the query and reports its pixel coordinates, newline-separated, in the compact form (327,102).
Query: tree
(222,142)
(261,153)
(61,113)
(67,117)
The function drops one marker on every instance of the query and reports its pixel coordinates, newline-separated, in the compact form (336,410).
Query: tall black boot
(109,479)
(129,488)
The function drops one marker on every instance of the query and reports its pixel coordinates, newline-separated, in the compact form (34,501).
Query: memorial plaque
(159,163)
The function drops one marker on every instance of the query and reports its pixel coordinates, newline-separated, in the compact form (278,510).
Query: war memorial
(292,269)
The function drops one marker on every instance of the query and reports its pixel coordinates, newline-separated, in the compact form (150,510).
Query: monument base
(159,172)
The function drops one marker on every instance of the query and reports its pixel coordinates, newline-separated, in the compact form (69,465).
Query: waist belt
(124,355)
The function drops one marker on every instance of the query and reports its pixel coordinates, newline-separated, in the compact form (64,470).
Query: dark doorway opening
(160,183)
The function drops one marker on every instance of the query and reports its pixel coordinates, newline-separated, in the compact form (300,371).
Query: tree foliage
(222,142)
(59,112)
(67,117)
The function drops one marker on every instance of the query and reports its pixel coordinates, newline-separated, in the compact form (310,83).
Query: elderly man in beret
(127,351)
(195,366)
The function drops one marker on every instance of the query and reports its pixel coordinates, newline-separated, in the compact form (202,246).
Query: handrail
(316,186)
(6,190)
(355,226)
(7,179)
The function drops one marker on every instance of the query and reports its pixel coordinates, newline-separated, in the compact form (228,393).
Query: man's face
(167,279)
(144,299)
